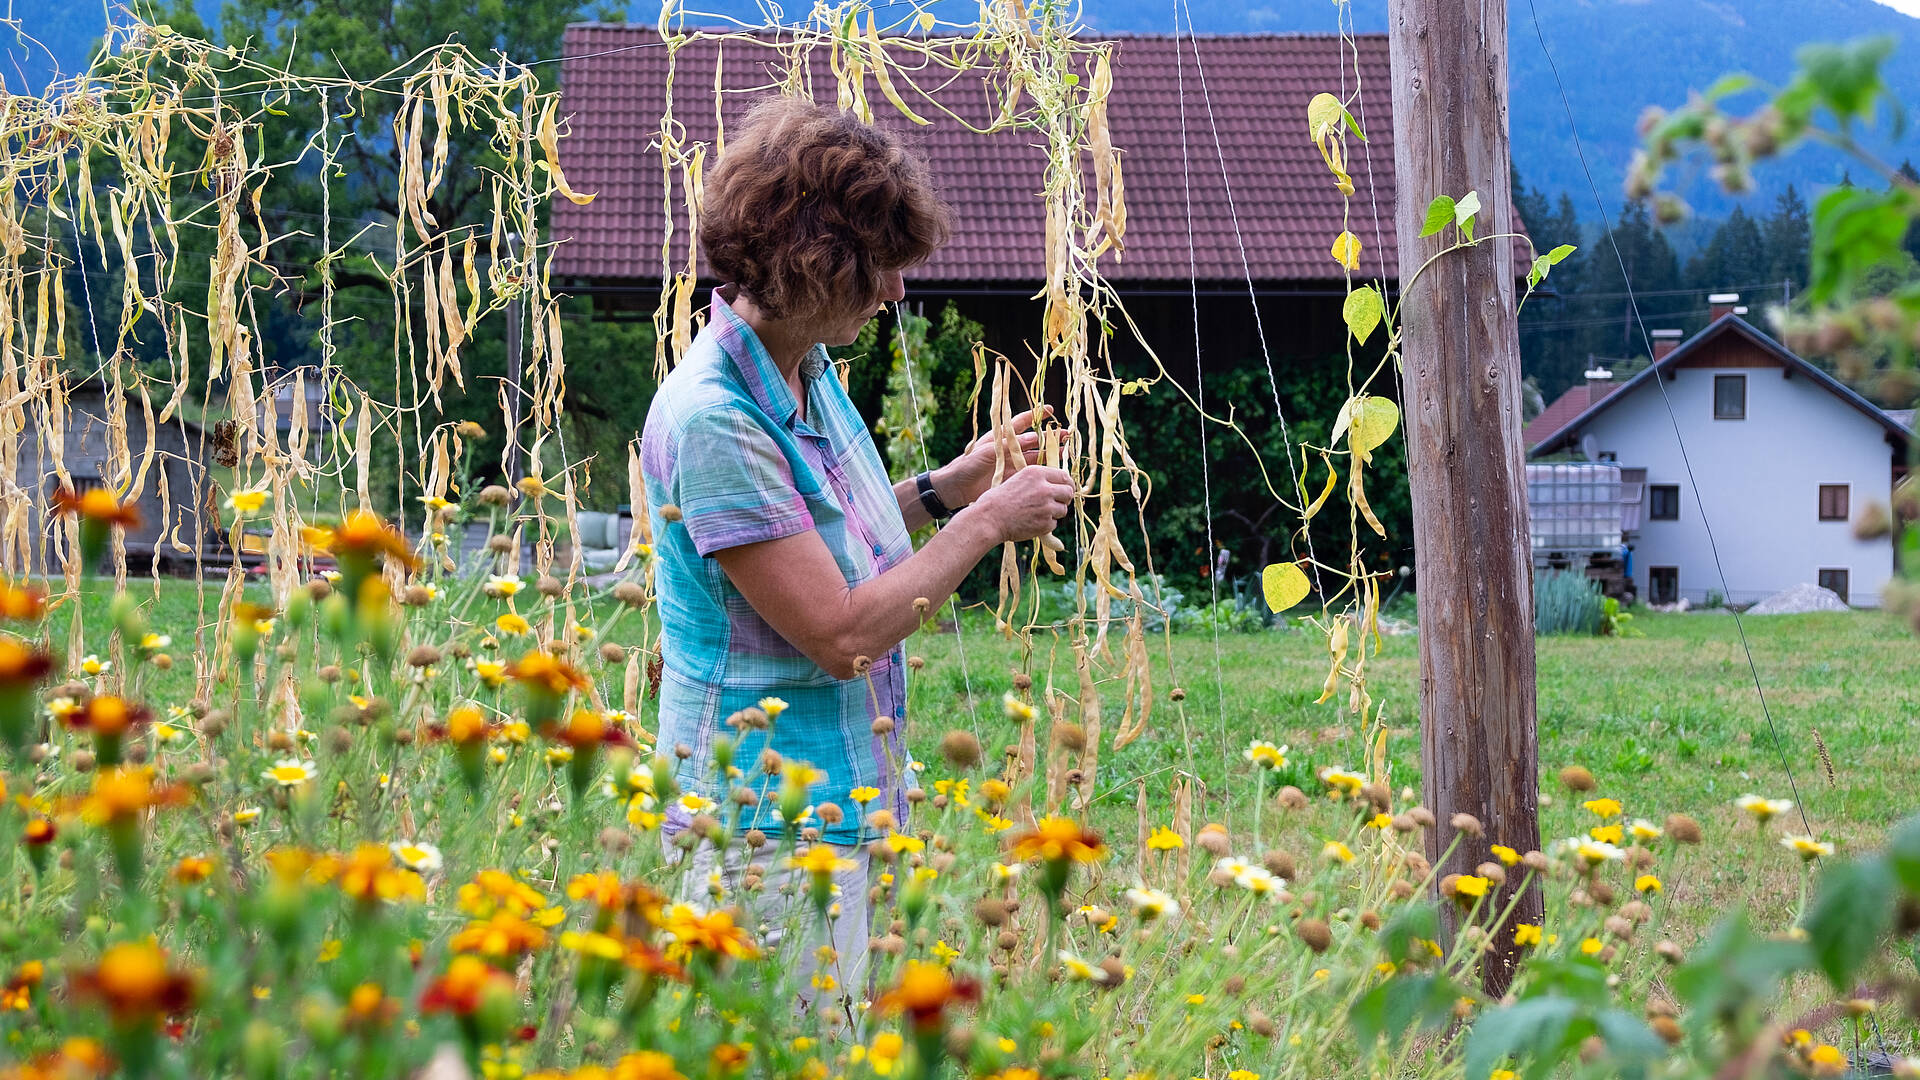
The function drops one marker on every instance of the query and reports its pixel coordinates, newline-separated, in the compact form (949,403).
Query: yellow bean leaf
(1374,419)
(1346,250)
(1285,585)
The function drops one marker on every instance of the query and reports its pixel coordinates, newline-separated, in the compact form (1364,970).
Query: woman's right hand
(1027,504)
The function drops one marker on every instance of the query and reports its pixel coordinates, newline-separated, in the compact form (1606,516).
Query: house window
(1729,397)
(1663,502)
(1835,581)
(1610,455)
(1663,584)
(1834,500)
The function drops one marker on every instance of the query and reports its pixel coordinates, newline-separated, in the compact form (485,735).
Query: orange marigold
(1056,839)
(95,505)
(542,672)
(924,994)
(137,983)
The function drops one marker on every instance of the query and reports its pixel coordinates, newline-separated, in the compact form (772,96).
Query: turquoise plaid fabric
(725,443)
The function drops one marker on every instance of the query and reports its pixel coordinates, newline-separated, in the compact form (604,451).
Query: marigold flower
(1593,852)
(109,716)
(95,505)
(924,994)
(24,603)
(193,870)
(136,982)
(542,672)
(1592,946)
(1608,834)
(497,890)
(644,1064)
(773,707)
(249,501)
(1058,839)
(1604,809)
(1506,855)
(1827,1060)
(121,794)
(1647,883)
(1526,934)
(821,860)
(17,995)
(369,876)
(1471,885)
(468,726)
(1645,830)
(1165,839)
(467,982)
(1018,711)
(861,796)
(593,943)
(1336,851)
(364,537)
(712,932)
(1080,969)
(503,586)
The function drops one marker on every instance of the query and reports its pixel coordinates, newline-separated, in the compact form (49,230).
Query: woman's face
(893,287)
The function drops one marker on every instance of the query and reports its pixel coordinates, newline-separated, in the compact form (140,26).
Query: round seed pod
(961,749)
(1467,823)
(1683,829)
(1317,935)
(550,586)
(1292,798)
(1577,778)
(630,594)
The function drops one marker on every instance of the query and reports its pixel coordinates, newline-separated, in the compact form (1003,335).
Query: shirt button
(877,549)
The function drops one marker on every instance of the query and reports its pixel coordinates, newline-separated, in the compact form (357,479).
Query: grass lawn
(1667,720)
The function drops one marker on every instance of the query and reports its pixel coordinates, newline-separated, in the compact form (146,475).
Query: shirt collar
(761,375)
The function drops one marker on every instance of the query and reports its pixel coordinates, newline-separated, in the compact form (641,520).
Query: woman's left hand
(968,476)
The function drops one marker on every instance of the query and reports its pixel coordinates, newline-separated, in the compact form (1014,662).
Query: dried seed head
(1619,927)
(1534,861)
(1022,681)
(1669,952)
(1683,829)
(500,544)
(756,839)
(1178,693)
(1577,778)
(1422,817)
(1668,1029)
(1370,919)
(1401,890)
(1467,823)
(615,842)
(1416,864)
(1279,863)
(1070,736)
(1317,934)
(961,749)
(1292,798)
(915,663)
(415,596)
(1602,893)
(1213,839)
(612,653)
(1493,872)
(922,605)
(630,594)
(495,495)
(682,751)
(916,796)
(1259,1023)
(214,724)
(279,740)
(319,589)
(744,796)
(1378,794)
(423,656)
(339,740)
(1007,941)
(548,585)
(670,512)
(1450,886)
(882,821)
(829,814)
(882,725)
(1637,910)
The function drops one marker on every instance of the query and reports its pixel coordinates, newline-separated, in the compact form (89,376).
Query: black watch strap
(930,498)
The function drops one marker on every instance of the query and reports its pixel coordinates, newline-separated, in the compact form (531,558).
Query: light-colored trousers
(783,906)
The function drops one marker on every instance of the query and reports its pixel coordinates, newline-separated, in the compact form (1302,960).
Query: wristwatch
(930,499)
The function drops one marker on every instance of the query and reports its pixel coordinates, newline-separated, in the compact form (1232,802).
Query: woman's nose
(893,286)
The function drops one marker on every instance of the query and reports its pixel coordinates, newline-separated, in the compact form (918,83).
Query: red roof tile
(1565,408)
(1258,85)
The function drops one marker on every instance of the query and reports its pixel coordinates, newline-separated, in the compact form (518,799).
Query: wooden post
(1465,460)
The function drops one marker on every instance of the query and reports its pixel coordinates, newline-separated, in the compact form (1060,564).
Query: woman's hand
(967,477)
(1027,504)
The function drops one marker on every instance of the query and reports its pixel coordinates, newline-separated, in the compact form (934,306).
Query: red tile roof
(1258,85)
(1565,408)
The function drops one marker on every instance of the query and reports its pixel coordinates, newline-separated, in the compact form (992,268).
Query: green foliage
(1567,602)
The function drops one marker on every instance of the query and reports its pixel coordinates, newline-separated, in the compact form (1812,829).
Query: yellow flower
(155,642)
(513,623)
(1335,851)
(1057,838)
(946,953)
(1607,834)
(1594,852)
(1265,754)
(1243,1074)
(1165,839)
(93,665)
(291,772)
(1196,999)
(861,796)
(437,502)
(1827,1060)
(1646,883)
(1017,710)
(1505,854)
(329,951)
(1503,1074)
(1591,946)
(820,860)
(903,844)
(1471,885)
(1604,809)
(247,502)
(417,856)
(1381,820)
(1642,829)
(1806,847)
(1151,904)
(1763,810)
(1341,782)
(246,815)
(773,707)
(504,586)
(1526,934)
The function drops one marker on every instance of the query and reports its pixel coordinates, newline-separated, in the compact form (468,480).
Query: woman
(785,570)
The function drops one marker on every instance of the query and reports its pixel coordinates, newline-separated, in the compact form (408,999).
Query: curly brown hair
(808,207)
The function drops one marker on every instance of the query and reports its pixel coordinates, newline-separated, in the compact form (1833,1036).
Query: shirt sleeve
(734,484)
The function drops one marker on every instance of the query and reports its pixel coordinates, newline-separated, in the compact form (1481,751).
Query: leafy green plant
(1566,602)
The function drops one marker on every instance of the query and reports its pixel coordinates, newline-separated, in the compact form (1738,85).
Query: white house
(1783,457)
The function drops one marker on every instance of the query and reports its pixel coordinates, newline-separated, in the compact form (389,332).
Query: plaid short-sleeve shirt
(725,443)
